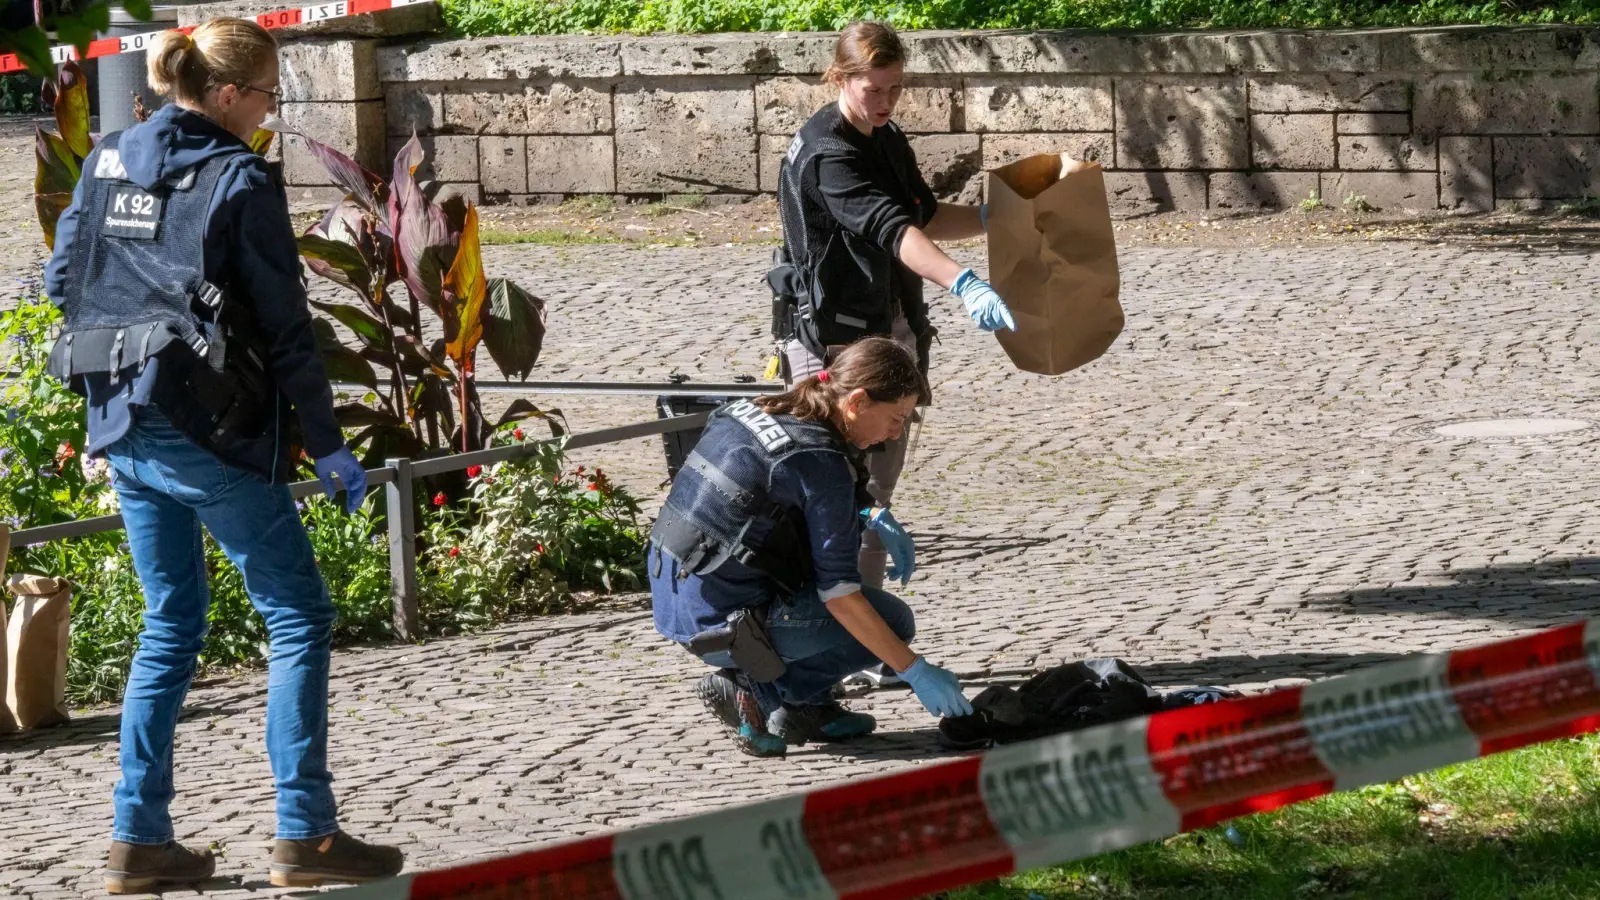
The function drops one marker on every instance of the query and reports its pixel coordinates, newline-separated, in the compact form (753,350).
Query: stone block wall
(1459,119)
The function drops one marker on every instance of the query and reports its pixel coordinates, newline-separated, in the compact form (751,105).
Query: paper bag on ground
(1053,259)
(36,650)
(8,723)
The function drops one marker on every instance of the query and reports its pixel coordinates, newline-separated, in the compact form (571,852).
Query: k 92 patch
(132,212)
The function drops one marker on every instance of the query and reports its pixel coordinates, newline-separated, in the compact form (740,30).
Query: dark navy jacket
(250,252)
(820,478)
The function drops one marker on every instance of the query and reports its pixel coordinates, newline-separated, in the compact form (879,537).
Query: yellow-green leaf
(72,109)
(466,286)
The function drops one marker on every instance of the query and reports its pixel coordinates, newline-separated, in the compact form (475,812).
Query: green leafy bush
(504,17)
(19,94)
(43,480)
(535,532)
(531,534)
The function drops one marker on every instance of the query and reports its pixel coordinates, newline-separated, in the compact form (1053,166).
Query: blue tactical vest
(137,290)
(718,508)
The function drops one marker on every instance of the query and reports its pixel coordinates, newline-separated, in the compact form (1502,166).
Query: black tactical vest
(843,285)
(719,508)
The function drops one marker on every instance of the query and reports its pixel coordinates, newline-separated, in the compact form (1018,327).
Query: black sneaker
(826,721)
(142,868)
(336,857)
(720,691)
(736,708)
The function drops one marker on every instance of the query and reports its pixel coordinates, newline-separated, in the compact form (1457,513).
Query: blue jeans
(168,488)
(817,648)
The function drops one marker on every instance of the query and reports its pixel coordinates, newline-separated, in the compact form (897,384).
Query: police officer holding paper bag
(859,225)
(754,562)
(188,331)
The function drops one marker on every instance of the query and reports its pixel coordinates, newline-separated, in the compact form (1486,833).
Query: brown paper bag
(1053,259)
(36,650)
(8,722)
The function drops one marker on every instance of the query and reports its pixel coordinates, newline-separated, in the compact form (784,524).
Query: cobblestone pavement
(1246,490)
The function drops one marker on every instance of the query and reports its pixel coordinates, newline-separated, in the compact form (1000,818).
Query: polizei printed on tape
(577,870)
(1388,722)
(1530,689)
(916,832)
(1076,794)
(1222,760)
(748,853)
(278,18)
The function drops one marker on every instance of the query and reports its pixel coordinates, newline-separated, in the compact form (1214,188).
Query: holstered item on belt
(787,288)
(230,382)
(744,636)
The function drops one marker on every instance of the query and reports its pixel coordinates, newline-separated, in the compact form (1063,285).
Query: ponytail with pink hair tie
(823,376)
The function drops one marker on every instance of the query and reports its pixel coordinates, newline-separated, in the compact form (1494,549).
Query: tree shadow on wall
(1160,132)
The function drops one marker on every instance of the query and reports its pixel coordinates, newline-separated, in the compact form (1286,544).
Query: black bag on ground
(1063,698)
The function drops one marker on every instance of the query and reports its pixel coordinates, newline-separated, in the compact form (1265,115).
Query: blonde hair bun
(187,66)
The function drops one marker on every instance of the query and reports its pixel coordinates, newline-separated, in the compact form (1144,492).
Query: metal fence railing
(398,478)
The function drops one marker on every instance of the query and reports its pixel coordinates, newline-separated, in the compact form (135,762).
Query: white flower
(95,468)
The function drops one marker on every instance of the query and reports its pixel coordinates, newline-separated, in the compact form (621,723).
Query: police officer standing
(187,329)
(754,559)
(859,225)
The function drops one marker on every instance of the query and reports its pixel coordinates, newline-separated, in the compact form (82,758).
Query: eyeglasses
(275,93)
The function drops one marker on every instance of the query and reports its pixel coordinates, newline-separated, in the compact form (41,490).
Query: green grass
(590,205)
(1588,207)
(559,237)
(673,203)
(1524,824)
(497,17)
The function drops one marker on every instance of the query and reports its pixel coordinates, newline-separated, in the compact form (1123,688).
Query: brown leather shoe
(140,868)
(335,857)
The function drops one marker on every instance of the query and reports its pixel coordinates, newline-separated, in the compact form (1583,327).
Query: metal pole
(403,552)
(122,77)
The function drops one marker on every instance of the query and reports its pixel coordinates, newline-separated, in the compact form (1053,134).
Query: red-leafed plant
(388,232)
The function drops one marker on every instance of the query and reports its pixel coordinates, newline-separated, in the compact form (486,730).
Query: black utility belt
(745,638)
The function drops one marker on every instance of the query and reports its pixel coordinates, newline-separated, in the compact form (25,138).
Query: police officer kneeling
(754,558)
(187,329)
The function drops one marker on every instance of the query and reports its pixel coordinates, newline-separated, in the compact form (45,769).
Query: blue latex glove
(985,307)
(902,551)
(344,464)
(938,689)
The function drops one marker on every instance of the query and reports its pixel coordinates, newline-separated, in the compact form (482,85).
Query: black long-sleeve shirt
(846,208)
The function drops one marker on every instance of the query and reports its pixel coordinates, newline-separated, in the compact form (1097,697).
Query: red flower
(64,453)
(555,479)
(593,486)
(438,499)
(578,472)
(517,434)
(538,548)
(455,552)
(474,471)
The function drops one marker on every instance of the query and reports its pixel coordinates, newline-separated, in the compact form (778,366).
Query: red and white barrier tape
(1019,807)
(280,18)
